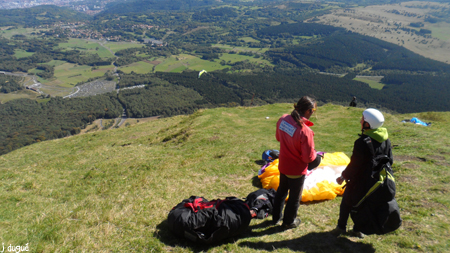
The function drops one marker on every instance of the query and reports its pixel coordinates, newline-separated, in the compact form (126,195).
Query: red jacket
(296,146)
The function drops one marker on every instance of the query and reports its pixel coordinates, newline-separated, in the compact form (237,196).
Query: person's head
(371,119)
(305,107)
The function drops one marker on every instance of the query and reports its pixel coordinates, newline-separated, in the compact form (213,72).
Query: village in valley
(95,7)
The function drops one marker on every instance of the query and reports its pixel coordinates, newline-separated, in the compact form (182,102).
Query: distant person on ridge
(297,154)
(353,103)
(359,170)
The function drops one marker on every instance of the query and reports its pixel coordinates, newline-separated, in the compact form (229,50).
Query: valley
(392,23)
(146,60)
(106,123)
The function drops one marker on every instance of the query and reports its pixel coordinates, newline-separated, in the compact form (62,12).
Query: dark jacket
(359,170)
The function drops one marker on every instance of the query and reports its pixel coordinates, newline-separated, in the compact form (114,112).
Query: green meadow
(116,46)
(237,57)
(178,63)
(372,83)
(248,39)
(8,33)
(19,53)
(86,46)
(111,191)
(68,74)
(228,47)
(140,67)
(440,30)
(55,63)
(5,97)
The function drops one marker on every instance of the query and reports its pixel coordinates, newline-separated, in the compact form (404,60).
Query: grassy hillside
(111,191)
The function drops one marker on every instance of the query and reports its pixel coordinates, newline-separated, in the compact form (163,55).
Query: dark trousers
(294,187)
(345,209)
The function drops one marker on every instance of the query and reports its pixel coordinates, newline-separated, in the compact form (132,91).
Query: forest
(10,83)
(25,121)
(167,94)
(40,15)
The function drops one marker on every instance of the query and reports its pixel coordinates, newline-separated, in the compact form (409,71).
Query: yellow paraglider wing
(319,184)
(201,73)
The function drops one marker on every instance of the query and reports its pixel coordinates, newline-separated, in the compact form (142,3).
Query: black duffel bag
(200,220)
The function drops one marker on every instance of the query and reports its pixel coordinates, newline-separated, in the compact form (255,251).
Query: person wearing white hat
(372,142)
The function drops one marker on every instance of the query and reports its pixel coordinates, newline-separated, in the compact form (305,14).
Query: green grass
(224,46)
(183,61)
(440,30)
(248,39)
(140,67)
(86,46)
(5,97)
(19,53)
(372,83)
(111,191)
(55,63)
(178,63)
(68,74)
(25,31)
(116,46)
(237,57)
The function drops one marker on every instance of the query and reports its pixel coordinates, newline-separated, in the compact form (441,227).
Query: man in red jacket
(296,153)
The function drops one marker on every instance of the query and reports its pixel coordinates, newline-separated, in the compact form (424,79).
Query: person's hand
(340,180)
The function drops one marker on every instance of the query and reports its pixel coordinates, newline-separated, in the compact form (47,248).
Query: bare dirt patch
(386,22)
(436,157)
(215,137)
(405,158)
(411,166)
(407,179)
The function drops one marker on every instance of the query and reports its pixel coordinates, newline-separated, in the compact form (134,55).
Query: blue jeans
(294,187)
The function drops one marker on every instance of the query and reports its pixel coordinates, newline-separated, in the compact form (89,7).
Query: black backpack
(378,212)
(261,202)
(200,220)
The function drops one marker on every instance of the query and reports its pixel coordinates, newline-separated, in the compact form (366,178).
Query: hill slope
(40,15)
(112,190)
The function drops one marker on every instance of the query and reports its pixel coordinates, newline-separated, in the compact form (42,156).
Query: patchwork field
(386,22)
(116,46)
(178,63)
(86,46)
(67,75)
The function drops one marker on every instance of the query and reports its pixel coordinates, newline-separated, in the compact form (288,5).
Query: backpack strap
(369,144)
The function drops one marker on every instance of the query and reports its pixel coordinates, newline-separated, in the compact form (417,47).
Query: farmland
(391,23)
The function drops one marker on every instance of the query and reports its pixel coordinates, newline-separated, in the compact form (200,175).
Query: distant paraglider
(201,73)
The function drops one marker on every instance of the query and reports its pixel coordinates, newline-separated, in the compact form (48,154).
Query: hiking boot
(337,231)
(294,224)
(357,234)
